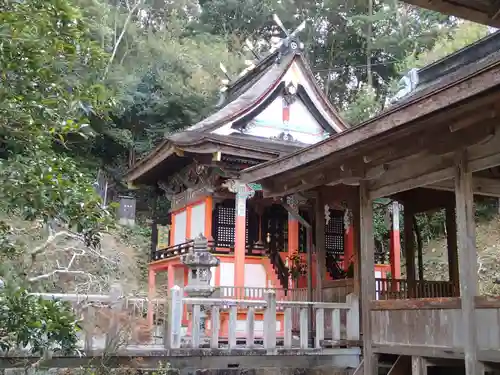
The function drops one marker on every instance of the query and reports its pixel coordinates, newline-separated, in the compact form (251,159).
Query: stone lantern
(199,261)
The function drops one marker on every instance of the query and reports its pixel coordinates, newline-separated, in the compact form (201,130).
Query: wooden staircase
(279,267)
(333,268)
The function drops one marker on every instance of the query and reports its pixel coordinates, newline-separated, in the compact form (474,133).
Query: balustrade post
(175,318)
(250,327)
(320,327)
(304,327)
(270,321)
(287,329)
(215,316)
(233,318)
(352,319)
(116,303)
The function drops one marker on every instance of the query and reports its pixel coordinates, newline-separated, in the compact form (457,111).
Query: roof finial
(291,41)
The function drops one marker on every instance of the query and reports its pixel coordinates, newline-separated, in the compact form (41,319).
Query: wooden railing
(387,289)
(279,267)
(272,336)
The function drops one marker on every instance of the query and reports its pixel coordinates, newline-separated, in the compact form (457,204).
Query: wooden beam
(296,215)
(451,244)
(489,187)
(409,249)
(319,213)
(426,169)
(367,276)
(467,260)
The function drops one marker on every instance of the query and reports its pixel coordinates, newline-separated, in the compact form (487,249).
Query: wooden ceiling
(486,12)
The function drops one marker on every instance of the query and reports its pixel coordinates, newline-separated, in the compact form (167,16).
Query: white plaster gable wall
(310,131)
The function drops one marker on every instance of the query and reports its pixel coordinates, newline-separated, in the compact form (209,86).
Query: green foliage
(42,324)
(50,88)
(463,35)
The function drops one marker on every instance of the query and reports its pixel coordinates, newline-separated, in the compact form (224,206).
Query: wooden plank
(451,244)
(367,275)
(418,366)
(319,213)
(352,318)
(409,249)
(467,260)
(336,325)
(480,185)
(451,303)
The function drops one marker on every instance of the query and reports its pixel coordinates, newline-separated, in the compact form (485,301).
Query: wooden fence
(387,289)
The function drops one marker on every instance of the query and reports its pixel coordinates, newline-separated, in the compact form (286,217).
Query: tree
(51,71)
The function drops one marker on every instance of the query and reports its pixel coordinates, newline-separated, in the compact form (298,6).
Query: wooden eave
(466,97)
(486,12)
(170,156)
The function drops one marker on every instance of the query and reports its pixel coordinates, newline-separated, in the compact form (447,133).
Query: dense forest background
(91,85)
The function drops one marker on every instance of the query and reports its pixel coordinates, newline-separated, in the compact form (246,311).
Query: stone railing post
(270,321)
(173,340)
(352,320)
(116,302)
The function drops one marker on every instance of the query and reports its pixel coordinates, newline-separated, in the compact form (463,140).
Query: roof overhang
(486,12)
(172,155)
(471,93)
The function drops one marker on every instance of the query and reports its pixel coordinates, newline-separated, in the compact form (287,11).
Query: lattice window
(223,229)
(334,234)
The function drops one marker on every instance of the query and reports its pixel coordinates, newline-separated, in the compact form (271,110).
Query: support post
(367,275)
(395,247)
(320,245)
(151,294)
(356,223)
(418,366)
(467,260)
(409,250)
(293,233)
(243,192)
(175,317)
(451,242)
(309,278)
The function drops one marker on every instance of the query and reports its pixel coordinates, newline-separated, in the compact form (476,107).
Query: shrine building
(272,109)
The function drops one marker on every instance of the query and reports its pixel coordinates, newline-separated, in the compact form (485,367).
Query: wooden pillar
(367,276)
(409,250)
(395,244)
(418,366)
(320,245)
(451,242)
(309,277)
(467,261)
(151,294)
(356,223)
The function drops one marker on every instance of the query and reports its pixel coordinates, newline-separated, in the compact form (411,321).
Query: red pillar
(242,194)
(151,293)
(395,245)
(293,243)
